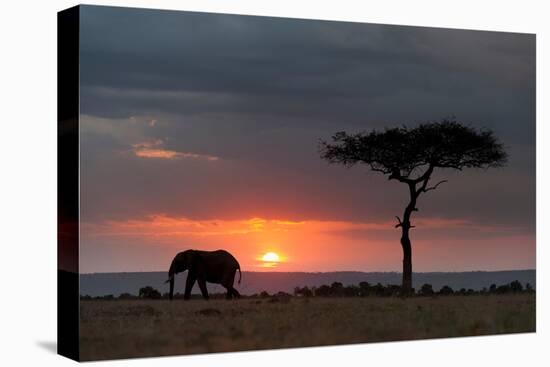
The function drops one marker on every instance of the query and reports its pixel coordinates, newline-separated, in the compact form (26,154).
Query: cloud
(156,153)
(162,225)
(327,71)
(155,150)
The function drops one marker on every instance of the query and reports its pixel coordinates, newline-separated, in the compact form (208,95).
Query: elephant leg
(189,286)
(228,284)
(235,293)
(202,286)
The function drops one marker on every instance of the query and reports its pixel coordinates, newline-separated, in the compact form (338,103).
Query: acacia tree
(410,156)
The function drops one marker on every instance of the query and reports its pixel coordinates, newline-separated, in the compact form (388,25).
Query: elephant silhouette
(217,267)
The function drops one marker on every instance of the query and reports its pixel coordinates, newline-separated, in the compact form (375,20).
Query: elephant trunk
(171,276)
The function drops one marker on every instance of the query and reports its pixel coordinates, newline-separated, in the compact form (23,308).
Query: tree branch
(396,175)
(434,186)
(426,175)
(379,170)
(400,224)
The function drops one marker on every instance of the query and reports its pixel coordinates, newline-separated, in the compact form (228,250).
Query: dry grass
(124,329)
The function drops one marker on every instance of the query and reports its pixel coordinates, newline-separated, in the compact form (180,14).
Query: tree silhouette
(410,156)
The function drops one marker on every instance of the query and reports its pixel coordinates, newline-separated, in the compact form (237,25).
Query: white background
(28,183)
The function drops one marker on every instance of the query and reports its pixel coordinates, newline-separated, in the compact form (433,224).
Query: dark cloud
(259,92)
(141,61)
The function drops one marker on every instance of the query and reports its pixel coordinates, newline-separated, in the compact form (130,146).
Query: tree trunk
(406,285)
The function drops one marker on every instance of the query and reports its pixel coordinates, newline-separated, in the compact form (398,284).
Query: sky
(201,131)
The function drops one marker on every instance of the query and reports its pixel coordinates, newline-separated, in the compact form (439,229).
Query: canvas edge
(68,33)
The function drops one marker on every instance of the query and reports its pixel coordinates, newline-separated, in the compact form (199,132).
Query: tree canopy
(406,153)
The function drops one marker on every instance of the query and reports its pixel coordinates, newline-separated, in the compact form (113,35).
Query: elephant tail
(240,274)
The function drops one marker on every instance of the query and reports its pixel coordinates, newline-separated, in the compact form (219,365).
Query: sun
(271,257)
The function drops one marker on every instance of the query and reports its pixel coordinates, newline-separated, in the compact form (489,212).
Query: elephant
(205,266)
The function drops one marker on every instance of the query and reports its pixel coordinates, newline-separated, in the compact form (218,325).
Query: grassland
(140,328)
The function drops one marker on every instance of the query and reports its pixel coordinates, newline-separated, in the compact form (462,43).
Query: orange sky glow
(311,244)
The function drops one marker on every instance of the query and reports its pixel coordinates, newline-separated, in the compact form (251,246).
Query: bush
(337,289)
(352,291)
(503,289)
(446,290)
(323,291)
(378,289)
(149,293)
(393,290)
(126,296)
(282,294)
(426,290)
(364,289)
(516,286)
(303,292)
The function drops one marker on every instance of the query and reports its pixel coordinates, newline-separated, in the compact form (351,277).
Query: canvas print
(232,183)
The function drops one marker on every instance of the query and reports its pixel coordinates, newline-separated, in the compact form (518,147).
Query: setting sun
(271,257)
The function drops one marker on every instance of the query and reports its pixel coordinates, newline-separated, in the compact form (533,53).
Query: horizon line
(336,271)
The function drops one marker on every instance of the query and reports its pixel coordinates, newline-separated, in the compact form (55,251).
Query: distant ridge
(100,284)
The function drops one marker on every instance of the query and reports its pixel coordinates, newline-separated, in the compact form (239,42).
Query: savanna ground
(140,328)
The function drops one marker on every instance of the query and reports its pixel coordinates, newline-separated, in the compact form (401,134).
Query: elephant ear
(180,263)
